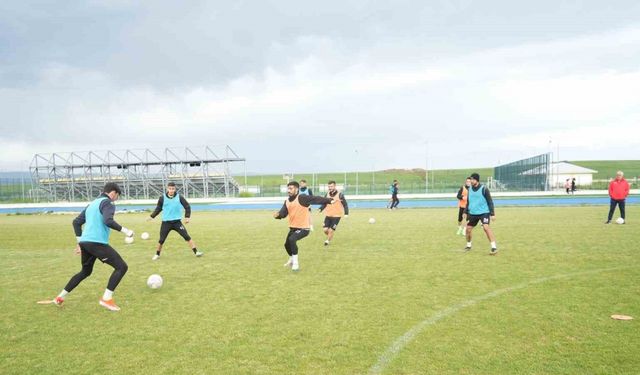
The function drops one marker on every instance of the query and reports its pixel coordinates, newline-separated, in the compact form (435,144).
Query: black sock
(158,253)
(194,250)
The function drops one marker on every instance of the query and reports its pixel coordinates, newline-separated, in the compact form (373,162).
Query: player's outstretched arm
(78,222)
(282,213)
(158,208)
(307,200)
(108,210)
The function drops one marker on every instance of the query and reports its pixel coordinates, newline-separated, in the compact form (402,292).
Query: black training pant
(395,201)
(612,207)
(294,236)
(168,226)
(106,254)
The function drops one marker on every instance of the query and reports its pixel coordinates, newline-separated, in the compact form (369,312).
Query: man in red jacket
(618,191)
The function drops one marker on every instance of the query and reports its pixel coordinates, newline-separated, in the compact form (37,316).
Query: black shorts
(95,250)
(460,213)
(331,222)
(168,226)
(474,219)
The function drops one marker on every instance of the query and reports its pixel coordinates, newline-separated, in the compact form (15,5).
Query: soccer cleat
(199,253)
(467,248)
(608,222)
(326,243)
(289,263)
(109,305)
(58,301)
(155,257)
(494,251)
(295,267)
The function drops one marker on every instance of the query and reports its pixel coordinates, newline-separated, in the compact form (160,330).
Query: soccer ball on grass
(154,281)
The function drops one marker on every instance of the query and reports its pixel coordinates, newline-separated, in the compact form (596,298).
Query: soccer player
(296,207)
(462,195)
(480,208)
(93,243)
(171,205)
(618,192)
(393,189)
(334,212)
(304,190)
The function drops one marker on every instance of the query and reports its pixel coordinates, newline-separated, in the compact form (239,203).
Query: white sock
(468,244)
(295,259)
(493,245)
(108,294)
(63,293)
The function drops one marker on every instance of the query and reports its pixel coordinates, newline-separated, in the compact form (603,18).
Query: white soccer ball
(372,220)
(154,281)
(620,220)
(128,239)
(144,236)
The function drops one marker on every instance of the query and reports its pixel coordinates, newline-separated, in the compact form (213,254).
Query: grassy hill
(413,180)
(607,168)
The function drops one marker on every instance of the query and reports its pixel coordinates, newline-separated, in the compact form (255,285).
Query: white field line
(401,342)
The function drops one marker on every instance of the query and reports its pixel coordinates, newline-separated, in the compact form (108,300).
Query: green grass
(238,311)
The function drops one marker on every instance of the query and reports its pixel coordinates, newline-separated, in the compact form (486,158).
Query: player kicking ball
(334,212)
(171,205)
(296,207)
(93,243)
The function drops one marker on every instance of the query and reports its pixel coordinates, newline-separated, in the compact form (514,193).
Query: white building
(561,171)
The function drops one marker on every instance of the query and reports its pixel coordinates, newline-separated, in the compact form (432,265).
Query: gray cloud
(272,78)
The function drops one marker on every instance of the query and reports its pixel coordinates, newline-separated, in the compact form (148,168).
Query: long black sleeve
(107,209)
(308,200)
(344,204)
(459,195)
(158,207)
(186,206)
(283,211)
(78,222)
(487,196)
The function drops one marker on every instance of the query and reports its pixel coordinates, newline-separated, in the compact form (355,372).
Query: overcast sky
(299,86)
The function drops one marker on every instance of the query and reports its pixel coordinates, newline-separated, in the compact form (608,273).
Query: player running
(296,207)
(462,196)
(480,208)
(171,205)
(334,212)
(93,243)
(394,189)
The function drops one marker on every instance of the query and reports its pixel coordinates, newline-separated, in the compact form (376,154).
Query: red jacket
(618,189)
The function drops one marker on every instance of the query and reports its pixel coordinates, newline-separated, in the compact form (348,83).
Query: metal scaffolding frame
(141,173)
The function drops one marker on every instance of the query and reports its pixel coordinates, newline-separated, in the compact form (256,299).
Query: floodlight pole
(426,167)
(357,181)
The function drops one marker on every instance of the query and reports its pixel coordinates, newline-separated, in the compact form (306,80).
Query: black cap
(475,176)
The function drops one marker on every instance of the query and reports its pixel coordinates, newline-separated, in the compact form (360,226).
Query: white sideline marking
(399,344)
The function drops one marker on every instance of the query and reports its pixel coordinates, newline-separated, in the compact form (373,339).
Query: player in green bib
(171,205)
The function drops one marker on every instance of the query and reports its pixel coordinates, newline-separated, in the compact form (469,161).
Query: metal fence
(531,174)
(15,190)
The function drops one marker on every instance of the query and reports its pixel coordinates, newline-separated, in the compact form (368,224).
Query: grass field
(395,297)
